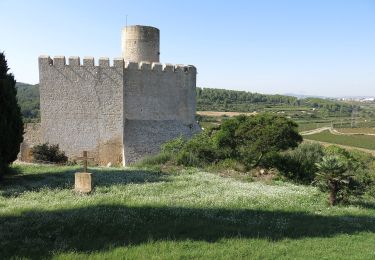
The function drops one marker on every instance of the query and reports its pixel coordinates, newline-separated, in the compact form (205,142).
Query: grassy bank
(146,214)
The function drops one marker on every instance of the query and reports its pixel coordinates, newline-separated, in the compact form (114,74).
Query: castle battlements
(121,109)
(105,62)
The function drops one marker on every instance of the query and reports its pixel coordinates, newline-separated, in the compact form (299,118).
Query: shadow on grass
(37,234)
(63,178)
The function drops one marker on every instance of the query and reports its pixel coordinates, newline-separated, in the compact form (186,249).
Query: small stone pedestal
(83,183)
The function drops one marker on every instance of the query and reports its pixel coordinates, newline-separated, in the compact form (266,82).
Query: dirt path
(315,131)
(230,114)
(332,131)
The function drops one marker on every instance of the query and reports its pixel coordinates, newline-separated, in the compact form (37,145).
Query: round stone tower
(140,43)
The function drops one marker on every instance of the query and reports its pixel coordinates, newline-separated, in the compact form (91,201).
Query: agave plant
(333,172)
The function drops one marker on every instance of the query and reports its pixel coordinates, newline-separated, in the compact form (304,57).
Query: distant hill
(28,99)
(301,96)
(208,99)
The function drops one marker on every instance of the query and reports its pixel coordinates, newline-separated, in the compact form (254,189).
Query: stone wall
(159,92)
(144,137)
(31,137)
(82,106)
(117,113)
(159,105)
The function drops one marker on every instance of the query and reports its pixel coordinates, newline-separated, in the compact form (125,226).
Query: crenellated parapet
(75,61)
(156,66)
(121,109)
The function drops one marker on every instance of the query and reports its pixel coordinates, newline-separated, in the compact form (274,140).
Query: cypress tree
(11,125)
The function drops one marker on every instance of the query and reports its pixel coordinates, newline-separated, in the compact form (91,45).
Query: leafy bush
(48,153)
(361,182)
(299,164)
(244,139)
(227,165)
(157,159)
(173,146)
(198,151)
(249,138)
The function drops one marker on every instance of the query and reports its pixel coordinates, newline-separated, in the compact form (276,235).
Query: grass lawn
(361,141)
(146,214)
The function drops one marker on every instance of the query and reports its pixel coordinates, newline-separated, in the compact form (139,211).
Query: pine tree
(11,125)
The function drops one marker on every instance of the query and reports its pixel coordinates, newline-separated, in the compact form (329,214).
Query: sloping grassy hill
(146,214)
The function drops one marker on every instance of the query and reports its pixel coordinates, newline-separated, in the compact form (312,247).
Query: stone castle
(118,111)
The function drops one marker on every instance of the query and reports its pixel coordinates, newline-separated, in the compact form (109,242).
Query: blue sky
(318,47)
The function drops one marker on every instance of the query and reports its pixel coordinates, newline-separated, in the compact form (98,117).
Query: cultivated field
(147,214)
(361,141)
(370,131)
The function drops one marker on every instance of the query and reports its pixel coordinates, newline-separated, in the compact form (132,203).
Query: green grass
(147,214)
(361,141)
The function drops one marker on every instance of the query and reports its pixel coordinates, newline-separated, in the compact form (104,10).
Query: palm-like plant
(333,173)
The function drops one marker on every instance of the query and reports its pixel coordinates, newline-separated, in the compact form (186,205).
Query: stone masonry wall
(31,137)
(159,105)
(117,113)
(159,92)
(82,106)
(144,137)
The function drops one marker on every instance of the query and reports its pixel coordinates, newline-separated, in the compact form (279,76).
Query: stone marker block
(83,182)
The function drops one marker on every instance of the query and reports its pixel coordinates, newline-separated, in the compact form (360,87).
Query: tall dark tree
(11,125)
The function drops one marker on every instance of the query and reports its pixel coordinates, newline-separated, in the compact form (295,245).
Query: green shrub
(369,180)
(299,164)
(228,164)
(157,159)
(173,146)
(361,182)
(199,151)
(244,139)
(249,138)
(48,153)
(188,158)
(272,160)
